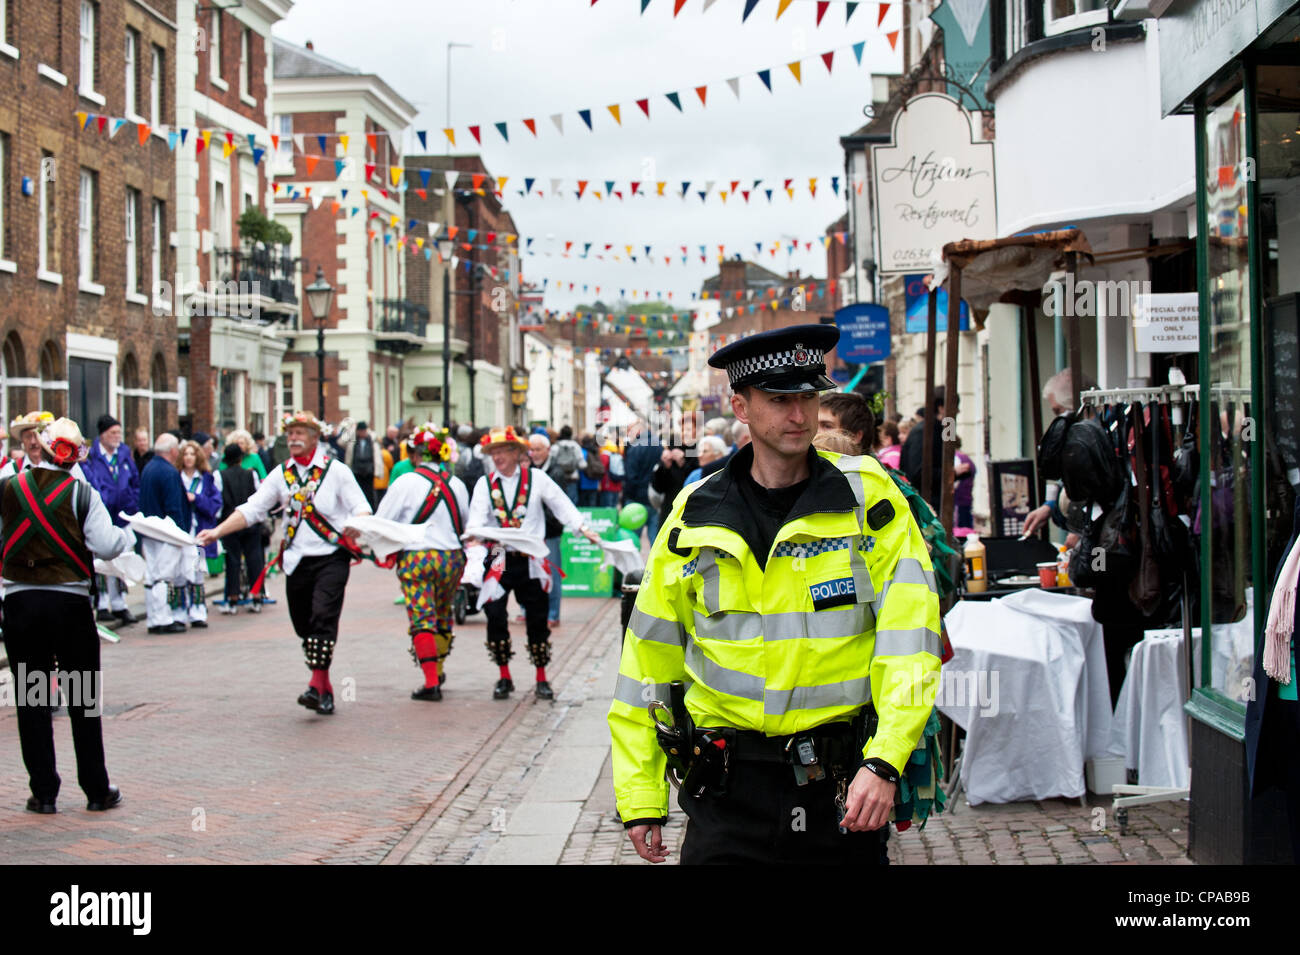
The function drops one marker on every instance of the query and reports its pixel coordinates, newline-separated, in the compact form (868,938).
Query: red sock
(426,650)
(320,680)
(541,674)
(505,673)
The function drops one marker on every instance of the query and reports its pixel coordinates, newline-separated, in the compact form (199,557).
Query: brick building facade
(87,205)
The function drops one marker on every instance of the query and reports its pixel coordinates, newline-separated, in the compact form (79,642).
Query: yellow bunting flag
(794,68)
(781,7)
(613,111)
(343,138)
(451,135)
(501,183)
(395,174)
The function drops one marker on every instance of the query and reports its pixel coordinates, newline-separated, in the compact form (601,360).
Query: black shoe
(310,699)
(326,705)
(104,616)
(126,617)
(44,807)
(433,693)
(503,689)
(198,625)
(174,627)
(442,678)
(114,798)
(544,691)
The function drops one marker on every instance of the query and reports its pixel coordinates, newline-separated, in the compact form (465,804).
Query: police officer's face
(784,424)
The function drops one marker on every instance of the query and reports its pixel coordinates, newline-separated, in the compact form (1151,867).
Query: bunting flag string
(818,11)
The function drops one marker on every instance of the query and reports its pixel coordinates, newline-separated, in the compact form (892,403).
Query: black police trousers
(766,818)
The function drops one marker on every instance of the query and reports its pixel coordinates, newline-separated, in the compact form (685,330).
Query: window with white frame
(86,79)
(288,400)
(86,227)
(129,54)
(132,240)
(46,224)
(246,62)
(155,253)
(283,126)
(214,45)
(156,87)
(1061,16)
(220,215)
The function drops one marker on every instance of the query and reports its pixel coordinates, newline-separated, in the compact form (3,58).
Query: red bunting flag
(142,130)
(677,7)
(635,186)
(102,121)
(422,193)
(311,163)
(373,142)
(880,17)
(822,7)
(582,187)
(645,106)
(700,91)
(532,126)
(474,132)
(452,230)
(230,139)
(827,57)
(491,237)
(892,37)
(370,169)
(477,179)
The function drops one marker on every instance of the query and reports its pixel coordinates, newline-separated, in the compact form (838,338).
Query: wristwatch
(881,768)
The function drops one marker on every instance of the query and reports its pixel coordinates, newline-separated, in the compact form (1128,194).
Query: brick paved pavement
(219,764)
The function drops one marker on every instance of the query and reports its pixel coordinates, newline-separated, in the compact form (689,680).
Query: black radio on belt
(807,765)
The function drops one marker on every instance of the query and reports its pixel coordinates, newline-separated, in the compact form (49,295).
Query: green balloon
(632,516)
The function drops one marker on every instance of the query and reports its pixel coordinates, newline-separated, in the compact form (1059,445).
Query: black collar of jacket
(718,501)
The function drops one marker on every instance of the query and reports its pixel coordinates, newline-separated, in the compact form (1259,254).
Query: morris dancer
(320,492)
(513,496)
(24,430)
(430,573)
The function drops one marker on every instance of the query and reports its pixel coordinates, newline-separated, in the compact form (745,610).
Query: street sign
(916,301)
(864,333)
(934,184)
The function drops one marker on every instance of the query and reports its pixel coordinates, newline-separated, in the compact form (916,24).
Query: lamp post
(444,253)
(320,296)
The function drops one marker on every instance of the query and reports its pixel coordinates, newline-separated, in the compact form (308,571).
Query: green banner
(580,558)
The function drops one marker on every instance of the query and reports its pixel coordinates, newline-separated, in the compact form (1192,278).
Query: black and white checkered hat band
(792,359)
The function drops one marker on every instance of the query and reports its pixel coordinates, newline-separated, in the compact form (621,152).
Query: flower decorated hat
(33,419)
(506,437)
(63,442)
(304,419)
(436,444)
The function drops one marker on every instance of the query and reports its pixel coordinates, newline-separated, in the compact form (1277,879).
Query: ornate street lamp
(320,297)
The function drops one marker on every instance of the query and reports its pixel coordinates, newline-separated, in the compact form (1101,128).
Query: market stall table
(1027,683)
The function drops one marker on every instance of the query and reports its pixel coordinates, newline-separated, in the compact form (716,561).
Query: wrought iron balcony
(261,276)
(400,325)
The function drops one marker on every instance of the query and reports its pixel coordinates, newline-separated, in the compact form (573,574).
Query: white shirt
(338,498)
(11,468)
(544,490)
(407,495)
(103,540)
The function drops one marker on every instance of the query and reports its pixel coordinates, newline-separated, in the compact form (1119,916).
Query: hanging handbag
(1144,587)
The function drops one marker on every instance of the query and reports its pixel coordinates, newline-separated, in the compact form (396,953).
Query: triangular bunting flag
(827,58)
(101,122)
(142,132)
(749,8)
(835,184)
(173,137)
(451,176)
(645,106)
(320,141)
(892,37)
(880,17)
(766,77)
(677,6)
(451,136)
(528,185)
(734,83)
(297,141)
(476,179)
(822,6)
(781,7)
(501,186)
(343,138)
(372,140)
(582,187)
(420,134)
(794,68)
(501,128)
(585,115)
(555,185)
(370,170)
(424,177)
(659,188)
(613,111)
(700,92)
(609,185)
(473,130)
(558,120)
(857,50)
(531,126)
(675,100)
(311,163)
(848,11)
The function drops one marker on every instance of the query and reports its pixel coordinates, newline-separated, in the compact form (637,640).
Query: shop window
(88,388)
(1061,16)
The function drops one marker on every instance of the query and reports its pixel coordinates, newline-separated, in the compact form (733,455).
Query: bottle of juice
(1063,567)
(977,580)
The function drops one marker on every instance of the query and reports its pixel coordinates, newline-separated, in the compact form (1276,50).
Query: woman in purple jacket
(203,488)
(111,471)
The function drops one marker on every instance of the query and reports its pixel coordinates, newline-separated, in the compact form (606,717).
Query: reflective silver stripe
(648,627)
(908,571)
(710,580)
(718,677)
(847,693)
(857,560)
(728,626)
(635,693)
(901,643)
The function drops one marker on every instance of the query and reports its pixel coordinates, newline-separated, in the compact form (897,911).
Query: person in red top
(611,482)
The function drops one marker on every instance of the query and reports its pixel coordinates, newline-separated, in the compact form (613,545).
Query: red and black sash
(306,512)
(439,492)
(39,520)
(496,494)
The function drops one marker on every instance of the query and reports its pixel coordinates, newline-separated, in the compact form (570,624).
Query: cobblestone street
(219,764)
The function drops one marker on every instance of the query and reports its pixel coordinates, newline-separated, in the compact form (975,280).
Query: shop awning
(1011,269)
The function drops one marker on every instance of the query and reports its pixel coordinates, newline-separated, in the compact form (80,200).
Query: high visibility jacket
(845,613)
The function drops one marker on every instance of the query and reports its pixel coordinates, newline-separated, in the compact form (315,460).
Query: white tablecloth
(1040,704)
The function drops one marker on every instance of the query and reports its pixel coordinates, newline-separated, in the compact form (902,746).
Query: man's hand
(868,803)
(352,533)
(207,537)
(1036,519)
(591,535)
(648,842)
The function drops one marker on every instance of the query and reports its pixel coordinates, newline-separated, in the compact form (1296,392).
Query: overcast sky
(533,58)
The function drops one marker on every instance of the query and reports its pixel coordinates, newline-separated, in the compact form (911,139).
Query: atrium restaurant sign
(1198,37)
(934,184)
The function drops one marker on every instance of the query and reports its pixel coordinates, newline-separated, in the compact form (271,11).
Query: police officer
(793,596)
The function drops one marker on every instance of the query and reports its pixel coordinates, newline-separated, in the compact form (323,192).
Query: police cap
(782,361)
